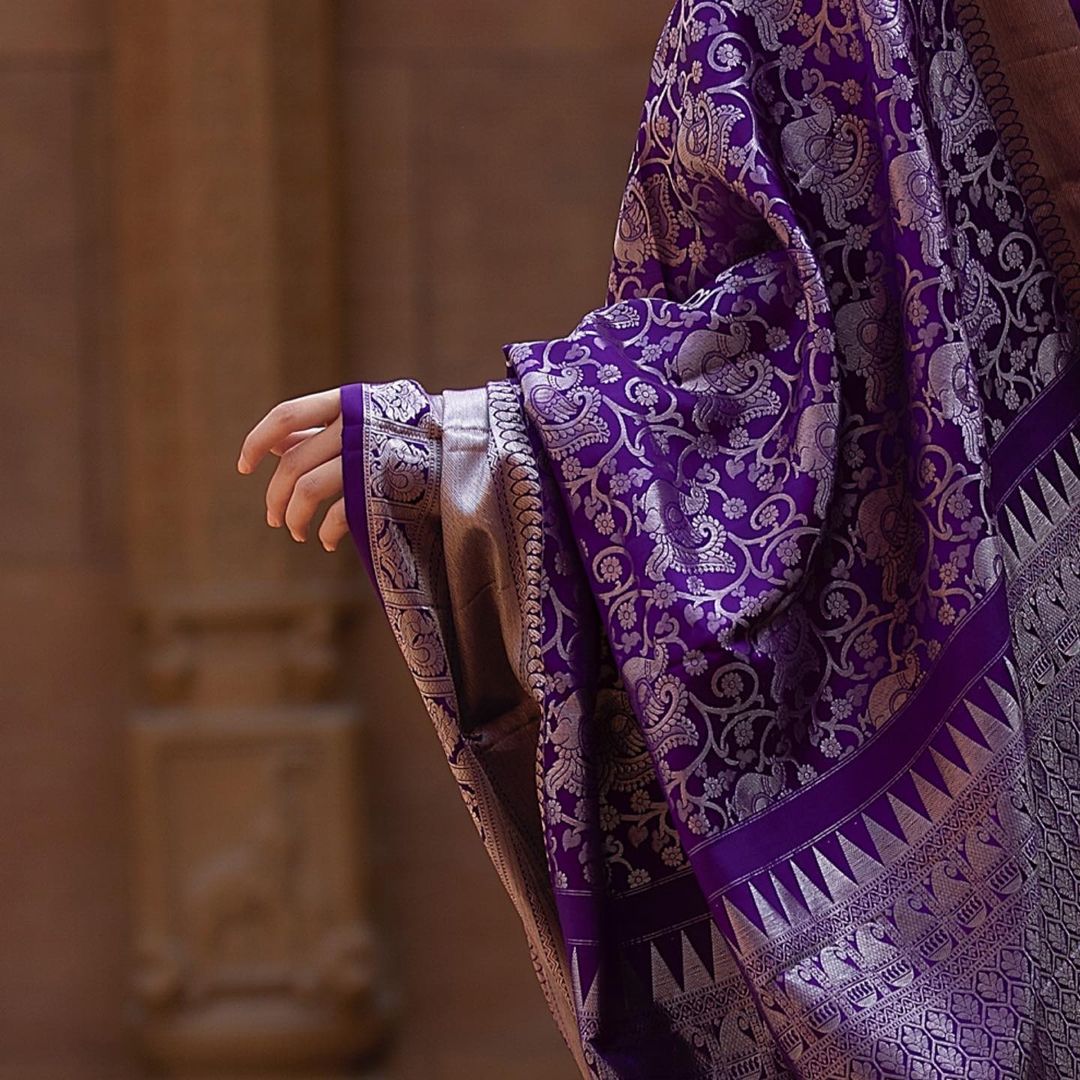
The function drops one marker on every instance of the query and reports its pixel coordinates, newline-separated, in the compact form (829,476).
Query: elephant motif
(733,382)
(704,134)
(956,101)
(887,534)
(953,385)
(624,755)
(885,31)
(1055,352)
(917,200)
(791,644)
(831,156)
(757,791)
(686,538)
(868,337)
(815,448)
(570,418)
(892,691)
(771,17)
(987,562)
(647,227)
(568,771)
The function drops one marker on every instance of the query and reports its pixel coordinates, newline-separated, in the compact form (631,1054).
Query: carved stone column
(253,949)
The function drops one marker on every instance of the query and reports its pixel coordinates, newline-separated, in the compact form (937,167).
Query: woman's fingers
(293,440)
(334,526)
(323,482)
(295,463)
(285,419)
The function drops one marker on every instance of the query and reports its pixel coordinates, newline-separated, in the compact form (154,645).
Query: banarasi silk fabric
(747,611)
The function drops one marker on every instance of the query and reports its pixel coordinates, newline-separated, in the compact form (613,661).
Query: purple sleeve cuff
(354,480)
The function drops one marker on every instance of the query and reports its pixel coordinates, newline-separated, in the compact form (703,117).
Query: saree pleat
(747,611)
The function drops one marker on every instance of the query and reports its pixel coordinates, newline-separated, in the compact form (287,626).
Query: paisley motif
(418,633)
(399,472)
(661,701)
(401,401)
(625,761)
(978,309)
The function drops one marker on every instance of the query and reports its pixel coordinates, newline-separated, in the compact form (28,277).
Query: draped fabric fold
(746,611)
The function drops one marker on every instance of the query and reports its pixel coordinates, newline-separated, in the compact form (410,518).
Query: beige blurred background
(229,844)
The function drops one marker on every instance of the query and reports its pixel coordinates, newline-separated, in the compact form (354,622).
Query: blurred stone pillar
(252,946)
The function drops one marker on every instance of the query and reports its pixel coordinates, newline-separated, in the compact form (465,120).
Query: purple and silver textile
(747,611)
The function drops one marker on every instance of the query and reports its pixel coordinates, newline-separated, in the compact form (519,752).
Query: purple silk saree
(746,612)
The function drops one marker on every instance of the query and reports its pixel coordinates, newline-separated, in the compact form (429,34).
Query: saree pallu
(747,611)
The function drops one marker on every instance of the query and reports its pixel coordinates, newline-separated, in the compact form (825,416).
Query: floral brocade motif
(801,593)
(779,457)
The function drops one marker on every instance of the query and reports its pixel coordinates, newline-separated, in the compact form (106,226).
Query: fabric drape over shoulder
(747,611)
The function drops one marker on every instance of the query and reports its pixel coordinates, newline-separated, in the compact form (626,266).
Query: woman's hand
(305,434)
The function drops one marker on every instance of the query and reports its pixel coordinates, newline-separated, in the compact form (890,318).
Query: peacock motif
(956,101)
(647,227)
(831,156)
(570,418)
(704,134)
(685,537)
(735,383)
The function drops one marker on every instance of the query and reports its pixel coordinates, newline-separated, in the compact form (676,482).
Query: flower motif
(776,337)
(694,662)
(731,685)
(664,594)
(830,746)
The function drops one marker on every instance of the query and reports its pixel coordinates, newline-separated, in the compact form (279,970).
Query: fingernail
(241,466)
(329,547)
(272,521)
